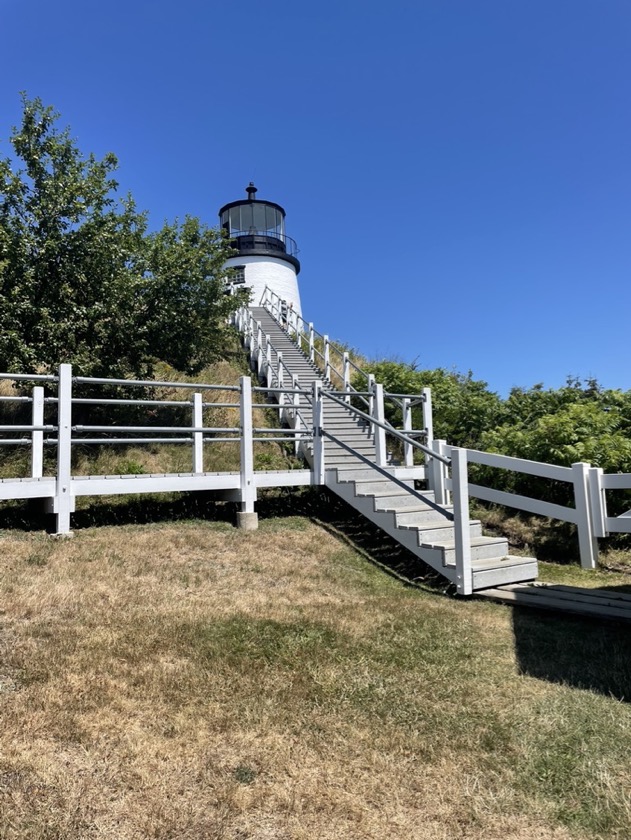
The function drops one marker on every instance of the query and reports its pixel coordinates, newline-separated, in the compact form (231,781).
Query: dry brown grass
(192,681)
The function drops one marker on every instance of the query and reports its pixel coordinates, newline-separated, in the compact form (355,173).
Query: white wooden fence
(446,469)
(59,490)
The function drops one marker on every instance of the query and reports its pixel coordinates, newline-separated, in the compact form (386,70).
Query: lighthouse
(266,256)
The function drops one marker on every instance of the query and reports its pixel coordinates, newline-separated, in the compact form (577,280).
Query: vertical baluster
(462,531)
(198,437)
(63,500)
(408,449)
(247,519)
(37,438)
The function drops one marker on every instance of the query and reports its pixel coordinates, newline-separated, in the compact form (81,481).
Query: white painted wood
(618,524)
(318,439)
(117,485)
(347,376)
(28,488)
(248,487)
(327,358)
(295,415)
(462,539)
(284,478)
(527,503)
(37,437)
(588,544)
(597,501)
(428,421)
(63,498)
(622,481)
(371,399)
(380,433)
(198,437)
(408,449)
(437,473)
(521,465)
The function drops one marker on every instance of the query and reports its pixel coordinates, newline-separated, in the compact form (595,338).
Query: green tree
(186,307)
(463,407)
(82,281)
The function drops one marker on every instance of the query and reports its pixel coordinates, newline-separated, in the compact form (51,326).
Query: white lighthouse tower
(266,255)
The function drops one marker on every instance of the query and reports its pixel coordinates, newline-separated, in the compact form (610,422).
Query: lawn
(188,680)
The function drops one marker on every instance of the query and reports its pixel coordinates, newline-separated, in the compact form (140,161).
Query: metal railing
(307,339)
(261,238)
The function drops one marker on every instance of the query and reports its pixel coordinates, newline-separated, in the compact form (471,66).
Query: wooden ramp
(610,604)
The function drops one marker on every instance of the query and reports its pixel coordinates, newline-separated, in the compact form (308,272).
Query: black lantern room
(257,228)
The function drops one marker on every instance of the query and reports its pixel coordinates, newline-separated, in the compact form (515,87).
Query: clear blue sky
(456,172)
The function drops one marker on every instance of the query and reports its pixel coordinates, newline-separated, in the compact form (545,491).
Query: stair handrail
(296,324)
(389,429)
(276,379)
(251,328)
(383,471)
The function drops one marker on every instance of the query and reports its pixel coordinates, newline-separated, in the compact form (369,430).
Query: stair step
(424,513)
(430,534)
(418,523)
(511,569)
(482,548)
(400,501)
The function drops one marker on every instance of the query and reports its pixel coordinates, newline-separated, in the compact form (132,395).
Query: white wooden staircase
(412,517)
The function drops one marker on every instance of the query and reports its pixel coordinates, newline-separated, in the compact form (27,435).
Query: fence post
(198,437)
(250,333)
(371,399)
(437,475)
(327,363)
(462,531)
(598,502)
(408,449)
(347,378)
(295,401)
(380,432)
(63,501)
(587,542)
(259,347)
(318,439)
(311,342)
(268,358)
(247,519)
(280,384)
(251,342)
(37,438)
(428,421)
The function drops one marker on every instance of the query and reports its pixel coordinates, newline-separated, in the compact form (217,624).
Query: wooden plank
(618,525)
(521,465)
(587,596)
(621,481)
(523,503)
(581,590)
(524,596)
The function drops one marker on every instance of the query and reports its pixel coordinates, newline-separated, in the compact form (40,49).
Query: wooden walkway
(610,604)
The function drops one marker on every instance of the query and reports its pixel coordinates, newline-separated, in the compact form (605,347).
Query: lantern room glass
(254,217)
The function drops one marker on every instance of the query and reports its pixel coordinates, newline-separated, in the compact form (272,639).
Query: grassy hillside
(192,681)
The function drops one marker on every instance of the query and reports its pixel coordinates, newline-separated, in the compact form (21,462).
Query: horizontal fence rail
(66,436)
(301,422)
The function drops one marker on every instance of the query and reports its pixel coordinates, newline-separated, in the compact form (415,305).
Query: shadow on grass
(585,653)
(127,510)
